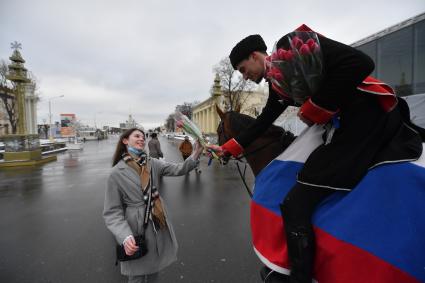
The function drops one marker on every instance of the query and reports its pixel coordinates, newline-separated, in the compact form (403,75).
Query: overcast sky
(112,58)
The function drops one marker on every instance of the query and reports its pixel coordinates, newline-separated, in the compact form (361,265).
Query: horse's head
(231,124)
(263,149)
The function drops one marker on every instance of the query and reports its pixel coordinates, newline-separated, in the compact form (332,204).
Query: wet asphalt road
(52,230)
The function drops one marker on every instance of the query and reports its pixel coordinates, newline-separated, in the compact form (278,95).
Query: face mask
(135,151)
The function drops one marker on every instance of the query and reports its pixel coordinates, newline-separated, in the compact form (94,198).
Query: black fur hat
(245,47)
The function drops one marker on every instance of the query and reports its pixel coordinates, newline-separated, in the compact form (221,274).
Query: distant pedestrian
(186,149)
(134,181)
(155,147)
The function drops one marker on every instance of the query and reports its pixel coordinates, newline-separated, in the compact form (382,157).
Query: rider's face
(252,68)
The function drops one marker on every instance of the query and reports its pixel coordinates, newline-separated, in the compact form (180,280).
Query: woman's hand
(222,154)
(197,150)
(130,246)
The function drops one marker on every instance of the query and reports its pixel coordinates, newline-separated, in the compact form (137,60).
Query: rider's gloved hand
(228,149)
(232,147)
(311,113)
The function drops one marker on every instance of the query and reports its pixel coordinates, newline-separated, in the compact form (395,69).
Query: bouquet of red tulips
(183,122)
(295,67)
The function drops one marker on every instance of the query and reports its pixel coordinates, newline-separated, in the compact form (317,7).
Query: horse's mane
(271,143)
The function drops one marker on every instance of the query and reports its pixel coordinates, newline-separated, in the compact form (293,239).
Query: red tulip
(296,42)
(275,56)
(304,49)
(310,42)
(315,48)
(289,54)
(281,53)
(278,76)
(179,124)
(268,59)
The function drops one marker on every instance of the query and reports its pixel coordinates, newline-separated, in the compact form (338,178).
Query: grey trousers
(149,278)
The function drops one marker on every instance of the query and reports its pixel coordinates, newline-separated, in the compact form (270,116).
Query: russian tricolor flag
(376,233)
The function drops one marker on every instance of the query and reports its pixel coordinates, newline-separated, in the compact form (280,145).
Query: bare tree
(186,109)
(9,102)
(3,72)
(170,123)
(7,97)
(235,89)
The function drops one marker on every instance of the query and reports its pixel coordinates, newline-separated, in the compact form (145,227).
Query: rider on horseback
(366,132)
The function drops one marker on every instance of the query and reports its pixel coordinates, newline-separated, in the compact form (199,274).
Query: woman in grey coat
(124,206)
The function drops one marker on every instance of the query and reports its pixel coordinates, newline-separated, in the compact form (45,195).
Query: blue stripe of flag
(384,215)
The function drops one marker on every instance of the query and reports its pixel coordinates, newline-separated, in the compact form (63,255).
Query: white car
(181,137)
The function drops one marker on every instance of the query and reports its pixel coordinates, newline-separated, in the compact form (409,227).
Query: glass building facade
(399,55)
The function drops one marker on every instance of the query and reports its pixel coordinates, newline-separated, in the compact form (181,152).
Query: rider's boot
(297,209)
(300,241)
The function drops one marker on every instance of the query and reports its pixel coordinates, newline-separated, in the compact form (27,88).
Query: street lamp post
(50,115)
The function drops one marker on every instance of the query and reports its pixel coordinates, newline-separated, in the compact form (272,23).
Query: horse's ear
(219,112)
(238,108)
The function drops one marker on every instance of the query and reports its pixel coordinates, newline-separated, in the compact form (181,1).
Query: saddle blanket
(376,233)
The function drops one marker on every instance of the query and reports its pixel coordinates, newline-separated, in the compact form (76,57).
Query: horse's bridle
(220,131)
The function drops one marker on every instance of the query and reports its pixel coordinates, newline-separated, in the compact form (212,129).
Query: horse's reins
(257,149)
(244,156)
(220,130)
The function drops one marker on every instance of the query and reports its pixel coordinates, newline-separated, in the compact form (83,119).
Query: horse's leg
(297,210)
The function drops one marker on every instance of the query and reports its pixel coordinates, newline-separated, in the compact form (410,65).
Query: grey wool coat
(123,214)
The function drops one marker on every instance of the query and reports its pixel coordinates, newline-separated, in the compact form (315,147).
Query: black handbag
(140,239)
(143,249)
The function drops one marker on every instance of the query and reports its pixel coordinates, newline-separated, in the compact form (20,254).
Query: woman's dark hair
(153,135)
(121,147)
